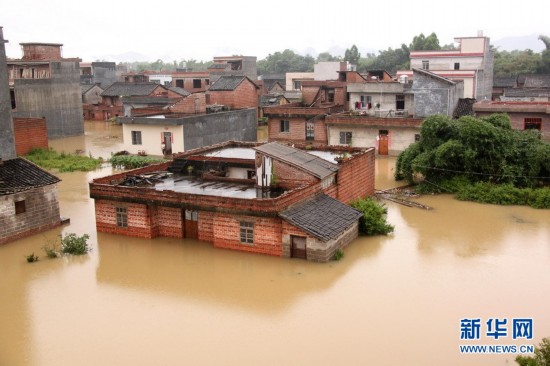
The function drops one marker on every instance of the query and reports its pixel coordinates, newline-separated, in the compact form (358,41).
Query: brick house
(270,199)
(523,115)
(28,200)
(235,92)
(192,81)
(295,123)
(44,84)
(127,96)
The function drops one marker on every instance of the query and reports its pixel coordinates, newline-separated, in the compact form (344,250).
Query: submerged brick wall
(41,213)
(356,177)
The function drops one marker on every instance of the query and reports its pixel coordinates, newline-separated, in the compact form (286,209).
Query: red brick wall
(139,219)
(244,96)
(169,222)
(373,121)
(309,94)
(518,119)
(30,133)
(188,105)
(206,226)
(297,130)
(291,177)
(356,177)
(267,234)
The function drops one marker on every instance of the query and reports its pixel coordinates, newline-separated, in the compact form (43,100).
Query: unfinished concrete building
(44,84)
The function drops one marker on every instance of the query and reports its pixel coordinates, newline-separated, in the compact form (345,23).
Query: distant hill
(519,43)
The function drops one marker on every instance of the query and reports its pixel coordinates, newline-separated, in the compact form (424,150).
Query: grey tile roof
(323,217)
(120,89)
(537,81)
(526,93)
(17,175)
(504,82)
(312,164)
(267,100)
(225,83)
(180,91)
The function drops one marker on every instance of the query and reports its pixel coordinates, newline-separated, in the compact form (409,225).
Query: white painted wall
(151,138)
(399,138)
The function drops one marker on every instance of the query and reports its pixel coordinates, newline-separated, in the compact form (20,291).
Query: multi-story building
(44,84)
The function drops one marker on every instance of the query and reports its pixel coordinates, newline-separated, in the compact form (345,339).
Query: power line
(477,173)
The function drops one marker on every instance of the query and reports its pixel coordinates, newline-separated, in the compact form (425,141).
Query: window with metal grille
(345,137)
(247,232)
(136,137)
(310,131)
(532,123)
(121,217)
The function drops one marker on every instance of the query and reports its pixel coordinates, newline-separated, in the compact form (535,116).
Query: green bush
(373,221)
(133,161)
(31,258)
(338,255)
(63,162)
(74,244)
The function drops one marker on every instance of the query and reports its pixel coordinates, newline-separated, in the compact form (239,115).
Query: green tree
(326,56)
(373,221)
(544,65)
(515,62)
(286,61)
(352,55)
(423,43)
(541,357)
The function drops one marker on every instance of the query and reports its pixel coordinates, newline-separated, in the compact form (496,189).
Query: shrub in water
(74,244)
(373,221)
(31,258)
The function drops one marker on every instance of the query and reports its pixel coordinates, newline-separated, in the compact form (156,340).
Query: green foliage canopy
(373,221)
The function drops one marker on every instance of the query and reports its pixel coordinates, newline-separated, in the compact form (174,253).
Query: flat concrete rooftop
(233,152)
(193,185)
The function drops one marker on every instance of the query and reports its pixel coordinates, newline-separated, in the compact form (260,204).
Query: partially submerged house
(173,133)
(270,199)
(44,84)
(28,194)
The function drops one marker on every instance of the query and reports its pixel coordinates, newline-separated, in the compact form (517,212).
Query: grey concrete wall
(58,99)
(432,96)
(209,129)
(485,77)
(7,140)
(104,73)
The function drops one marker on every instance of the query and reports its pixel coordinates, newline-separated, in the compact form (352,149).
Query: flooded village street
(391,300)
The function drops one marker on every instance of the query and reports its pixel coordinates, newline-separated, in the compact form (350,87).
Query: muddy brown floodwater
(395,300)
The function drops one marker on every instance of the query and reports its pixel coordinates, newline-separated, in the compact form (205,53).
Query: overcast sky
(180,29)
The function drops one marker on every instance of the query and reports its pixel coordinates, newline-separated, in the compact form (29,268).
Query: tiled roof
(312,164)
(526,93)
(267,100)
(17,175)
(119,89)
(323,217)
(537,81)
(509,82)
(180,91)
(227,83)
(435,76)
(149,100)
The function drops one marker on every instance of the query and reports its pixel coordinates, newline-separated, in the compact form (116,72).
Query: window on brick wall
(179,83)
(532,123)
(330,95)
(121,217)
(247,232)
(196,83)
(285,126)
(310,131)
(345,137)
(136,137)
(20,207)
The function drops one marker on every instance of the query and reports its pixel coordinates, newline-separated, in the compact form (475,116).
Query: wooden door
(383,144)
(298,247)
(191,224)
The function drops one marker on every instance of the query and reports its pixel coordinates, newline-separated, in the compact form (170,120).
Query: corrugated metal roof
(18,175)
(323,217)
(300,159)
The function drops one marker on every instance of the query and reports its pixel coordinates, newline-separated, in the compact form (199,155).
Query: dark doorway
(167,139)
(298,247)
